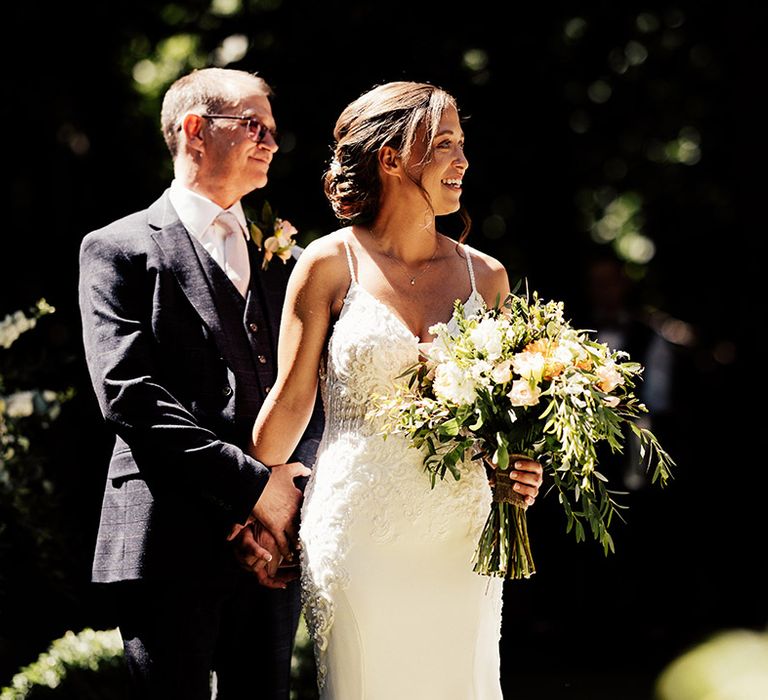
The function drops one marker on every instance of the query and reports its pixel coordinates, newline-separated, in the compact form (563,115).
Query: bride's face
(442,176)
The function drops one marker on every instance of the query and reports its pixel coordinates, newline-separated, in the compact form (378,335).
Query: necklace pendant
(413,281)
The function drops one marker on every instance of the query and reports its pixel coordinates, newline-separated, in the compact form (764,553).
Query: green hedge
(83,666)
(89,666)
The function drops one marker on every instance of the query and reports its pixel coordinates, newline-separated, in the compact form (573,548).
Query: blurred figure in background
(623,324)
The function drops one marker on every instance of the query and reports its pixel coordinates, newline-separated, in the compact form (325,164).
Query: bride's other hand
(249,553)
(257,552)
(528,476)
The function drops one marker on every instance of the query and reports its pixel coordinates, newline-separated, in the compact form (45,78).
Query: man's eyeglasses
(257,131)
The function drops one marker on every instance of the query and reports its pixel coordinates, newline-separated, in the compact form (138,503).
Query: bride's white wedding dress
(392,603)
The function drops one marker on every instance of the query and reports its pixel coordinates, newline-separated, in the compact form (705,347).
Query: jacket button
(266,389)
(262,359)
(253,327)
(227,391)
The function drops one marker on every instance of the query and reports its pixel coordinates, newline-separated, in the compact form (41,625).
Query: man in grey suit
(180,329)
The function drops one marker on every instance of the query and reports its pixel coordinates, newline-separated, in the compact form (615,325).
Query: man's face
(231,154)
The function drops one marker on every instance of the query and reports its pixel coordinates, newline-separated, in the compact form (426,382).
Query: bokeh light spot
(574,28)
(494,226)
(636,53)
(231,50)
(475,59)
(226,8)
(580,122)
(647,22)
(599,92)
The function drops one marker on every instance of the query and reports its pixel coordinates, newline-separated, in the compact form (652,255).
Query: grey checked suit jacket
(180,372)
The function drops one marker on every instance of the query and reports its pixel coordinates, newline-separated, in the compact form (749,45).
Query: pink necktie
(233,250)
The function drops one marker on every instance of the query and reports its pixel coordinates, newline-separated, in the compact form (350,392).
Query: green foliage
(89,665)
(22,409)
(34,557)
(303,672)
(83,666)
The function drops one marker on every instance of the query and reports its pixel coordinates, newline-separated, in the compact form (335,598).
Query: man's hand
(278,505)
(528,475)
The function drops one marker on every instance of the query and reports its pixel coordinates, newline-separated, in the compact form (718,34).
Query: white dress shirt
(198,214)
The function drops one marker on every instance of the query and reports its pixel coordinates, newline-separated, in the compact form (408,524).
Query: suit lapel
(182,258)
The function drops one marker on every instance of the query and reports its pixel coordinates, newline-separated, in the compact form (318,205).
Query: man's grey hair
(205,91)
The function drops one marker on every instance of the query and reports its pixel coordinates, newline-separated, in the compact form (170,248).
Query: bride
(392,603)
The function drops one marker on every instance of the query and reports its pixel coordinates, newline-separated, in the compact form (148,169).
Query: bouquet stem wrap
(504,548)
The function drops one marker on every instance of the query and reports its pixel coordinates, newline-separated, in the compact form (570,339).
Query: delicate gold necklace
(411,278)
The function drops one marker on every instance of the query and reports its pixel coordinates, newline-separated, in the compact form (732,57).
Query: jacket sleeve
(115,294)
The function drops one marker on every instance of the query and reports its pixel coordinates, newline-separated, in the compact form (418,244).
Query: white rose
(486,337)
(529,365)
(521,394)
(453,384)
(562,354)
(609,377)
(502,372)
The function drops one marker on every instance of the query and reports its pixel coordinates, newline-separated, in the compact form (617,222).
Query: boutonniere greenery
(273,235)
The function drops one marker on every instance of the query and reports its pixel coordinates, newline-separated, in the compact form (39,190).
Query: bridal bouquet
(518,381)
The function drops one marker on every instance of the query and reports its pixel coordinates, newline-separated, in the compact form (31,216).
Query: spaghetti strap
(349,262)
(469,267)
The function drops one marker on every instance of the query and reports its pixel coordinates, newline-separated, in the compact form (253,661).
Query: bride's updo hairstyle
(387,115)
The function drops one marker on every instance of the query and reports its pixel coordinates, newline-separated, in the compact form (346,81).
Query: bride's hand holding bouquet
(519,382)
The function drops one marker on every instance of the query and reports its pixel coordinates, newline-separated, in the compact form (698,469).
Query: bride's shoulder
(328,248)
(325,258)
(484,265)
(481,260)
(490,275)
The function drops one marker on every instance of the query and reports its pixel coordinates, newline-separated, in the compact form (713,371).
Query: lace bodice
(369,348)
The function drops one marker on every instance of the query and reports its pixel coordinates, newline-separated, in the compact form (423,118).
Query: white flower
(20,405)
(609,377)
(12,326)
(487,337)
(575,387)
(611,401)
(439,350)
(529,365)
(502,372)
(480,370)
(563,353)
(453,384)
(521,393)
(280,243)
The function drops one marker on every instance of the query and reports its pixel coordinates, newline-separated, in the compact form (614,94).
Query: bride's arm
(312,300)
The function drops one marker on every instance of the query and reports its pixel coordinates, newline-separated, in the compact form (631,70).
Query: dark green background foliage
(574,112)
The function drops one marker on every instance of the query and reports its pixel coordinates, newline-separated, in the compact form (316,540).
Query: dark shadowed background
(595,131)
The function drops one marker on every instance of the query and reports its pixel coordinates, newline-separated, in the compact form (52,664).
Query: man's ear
(389,161)
(192,126)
